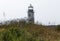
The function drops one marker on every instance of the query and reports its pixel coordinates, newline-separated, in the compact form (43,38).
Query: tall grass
(22,31)
(15,34)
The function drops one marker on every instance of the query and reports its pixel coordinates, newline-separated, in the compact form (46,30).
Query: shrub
(16,34)
(58,27)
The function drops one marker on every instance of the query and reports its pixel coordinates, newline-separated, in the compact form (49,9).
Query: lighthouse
(30,14)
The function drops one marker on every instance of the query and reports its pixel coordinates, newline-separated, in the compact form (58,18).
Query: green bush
(58,27)
(15,34)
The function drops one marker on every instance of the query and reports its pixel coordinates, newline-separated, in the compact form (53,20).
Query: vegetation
(22,31)
(15,34)
(58,27)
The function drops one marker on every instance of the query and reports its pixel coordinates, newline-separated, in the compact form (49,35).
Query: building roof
(30,6)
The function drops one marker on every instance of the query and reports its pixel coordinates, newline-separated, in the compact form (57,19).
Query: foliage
(58,27)
(15,34)
(22,31)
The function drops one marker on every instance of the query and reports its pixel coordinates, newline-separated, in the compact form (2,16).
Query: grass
(28,32)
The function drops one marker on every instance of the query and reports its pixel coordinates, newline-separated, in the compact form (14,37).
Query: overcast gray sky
(45,10)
